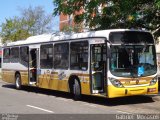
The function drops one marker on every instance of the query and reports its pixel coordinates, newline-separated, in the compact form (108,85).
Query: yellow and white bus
(107,63)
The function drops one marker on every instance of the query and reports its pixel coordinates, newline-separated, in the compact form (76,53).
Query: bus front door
(33,63)
(98,68)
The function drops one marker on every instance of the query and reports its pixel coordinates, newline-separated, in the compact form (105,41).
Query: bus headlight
(116,82)
(153,81)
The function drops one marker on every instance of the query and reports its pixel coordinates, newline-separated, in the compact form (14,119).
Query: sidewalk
(156,97)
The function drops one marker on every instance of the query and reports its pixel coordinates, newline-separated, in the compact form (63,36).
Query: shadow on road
(89,99)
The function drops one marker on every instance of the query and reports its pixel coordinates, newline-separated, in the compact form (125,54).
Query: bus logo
(137,82)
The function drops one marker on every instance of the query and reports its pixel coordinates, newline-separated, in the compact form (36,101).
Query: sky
(10,8)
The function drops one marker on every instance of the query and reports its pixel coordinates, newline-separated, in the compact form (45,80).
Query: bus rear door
(33,65)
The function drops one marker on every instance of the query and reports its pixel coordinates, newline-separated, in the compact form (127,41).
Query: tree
(106,14)
(12,30)
(32,21)
(36,21)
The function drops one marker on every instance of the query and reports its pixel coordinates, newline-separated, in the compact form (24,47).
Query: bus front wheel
(18,81)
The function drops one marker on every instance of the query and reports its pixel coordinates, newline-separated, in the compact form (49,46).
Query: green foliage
(113,13)
(32,21)
(12,30)
(158,3)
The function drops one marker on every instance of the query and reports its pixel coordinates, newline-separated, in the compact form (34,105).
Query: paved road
(40,101)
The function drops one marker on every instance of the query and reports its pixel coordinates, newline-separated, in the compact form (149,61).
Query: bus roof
(64,36)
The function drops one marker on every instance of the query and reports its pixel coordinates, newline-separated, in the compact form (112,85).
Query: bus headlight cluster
(153,81)
(116,82)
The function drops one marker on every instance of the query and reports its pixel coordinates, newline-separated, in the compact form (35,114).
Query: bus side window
(6,55)
(79,55)
(24,56)
(46,57)
(61,56)
(14,56)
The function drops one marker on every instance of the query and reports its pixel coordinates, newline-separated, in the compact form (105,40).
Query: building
(67,22)
(64,21)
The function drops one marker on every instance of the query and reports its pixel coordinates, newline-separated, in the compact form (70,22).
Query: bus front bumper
(130,91)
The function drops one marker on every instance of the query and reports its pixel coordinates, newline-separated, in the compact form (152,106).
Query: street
(31,100)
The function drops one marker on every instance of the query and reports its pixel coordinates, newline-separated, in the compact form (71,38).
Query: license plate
(151,89)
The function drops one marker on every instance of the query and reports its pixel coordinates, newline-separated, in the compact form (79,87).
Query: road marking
(123,112)
(40,108)
(63,99)
(91,105)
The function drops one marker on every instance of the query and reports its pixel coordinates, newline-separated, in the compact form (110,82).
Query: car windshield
(133,60)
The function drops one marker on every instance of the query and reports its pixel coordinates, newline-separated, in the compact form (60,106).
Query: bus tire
(76,90)
(18,84)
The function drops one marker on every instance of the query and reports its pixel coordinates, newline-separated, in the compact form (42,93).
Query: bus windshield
(133,60)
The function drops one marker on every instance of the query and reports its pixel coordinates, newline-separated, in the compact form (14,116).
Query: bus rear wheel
(76,90)
(18,82)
